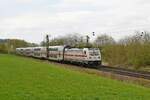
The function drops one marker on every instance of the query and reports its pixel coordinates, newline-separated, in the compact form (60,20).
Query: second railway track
(126,72)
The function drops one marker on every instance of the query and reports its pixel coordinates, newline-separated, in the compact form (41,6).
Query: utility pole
(8,42)
(47,45)
(87,40)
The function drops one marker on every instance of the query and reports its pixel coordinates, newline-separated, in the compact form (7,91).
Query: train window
(93,49)
(84,52)
(53,49)
(37,49)
(94,53)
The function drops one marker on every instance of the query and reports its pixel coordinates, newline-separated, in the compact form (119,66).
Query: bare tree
(138,38)
(104,40)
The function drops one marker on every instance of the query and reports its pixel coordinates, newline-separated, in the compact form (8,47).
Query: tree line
(10,45)
(131,51)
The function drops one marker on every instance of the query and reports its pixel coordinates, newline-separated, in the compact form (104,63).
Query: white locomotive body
(83,56)
(88,56)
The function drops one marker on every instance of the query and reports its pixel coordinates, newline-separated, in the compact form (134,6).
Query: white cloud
(24,1)
(115,17)
(79,1)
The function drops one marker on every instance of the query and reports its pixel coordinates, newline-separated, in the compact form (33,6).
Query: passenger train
(83,56)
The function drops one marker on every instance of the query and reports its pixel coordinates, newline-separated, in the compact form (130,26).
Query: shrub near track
(26,79)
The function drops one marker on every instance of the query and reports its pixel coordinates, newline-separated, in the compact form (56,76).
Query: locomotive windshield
(94,52)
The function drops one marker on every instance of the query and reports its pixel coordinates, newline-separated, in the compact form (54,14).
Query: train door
(86,53)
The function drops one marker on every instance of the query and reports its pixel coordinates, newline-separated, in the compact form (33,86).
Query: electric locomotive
(84,56)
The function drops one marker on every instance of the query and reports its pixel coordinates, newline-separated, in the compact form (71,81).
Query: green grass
(26,79)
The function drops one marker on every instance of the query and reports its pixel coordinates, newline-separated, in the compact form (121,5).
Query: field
(26,79)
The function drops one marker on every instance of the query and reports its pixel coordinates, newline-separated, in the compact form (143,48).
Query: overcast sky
(32,19)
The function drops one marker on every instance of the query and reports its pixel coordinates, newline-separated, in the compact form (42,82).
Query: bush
(132,51)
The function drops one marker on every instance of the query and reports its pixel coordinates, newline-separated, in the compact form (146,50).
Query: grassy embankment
(27,79)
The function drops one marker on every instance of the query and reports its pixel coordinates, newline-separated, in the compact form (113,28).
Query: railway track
(126,72)
(114,70)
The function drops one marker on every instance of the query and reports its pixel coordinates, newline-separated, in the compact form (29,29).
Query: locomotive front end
(93,56)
